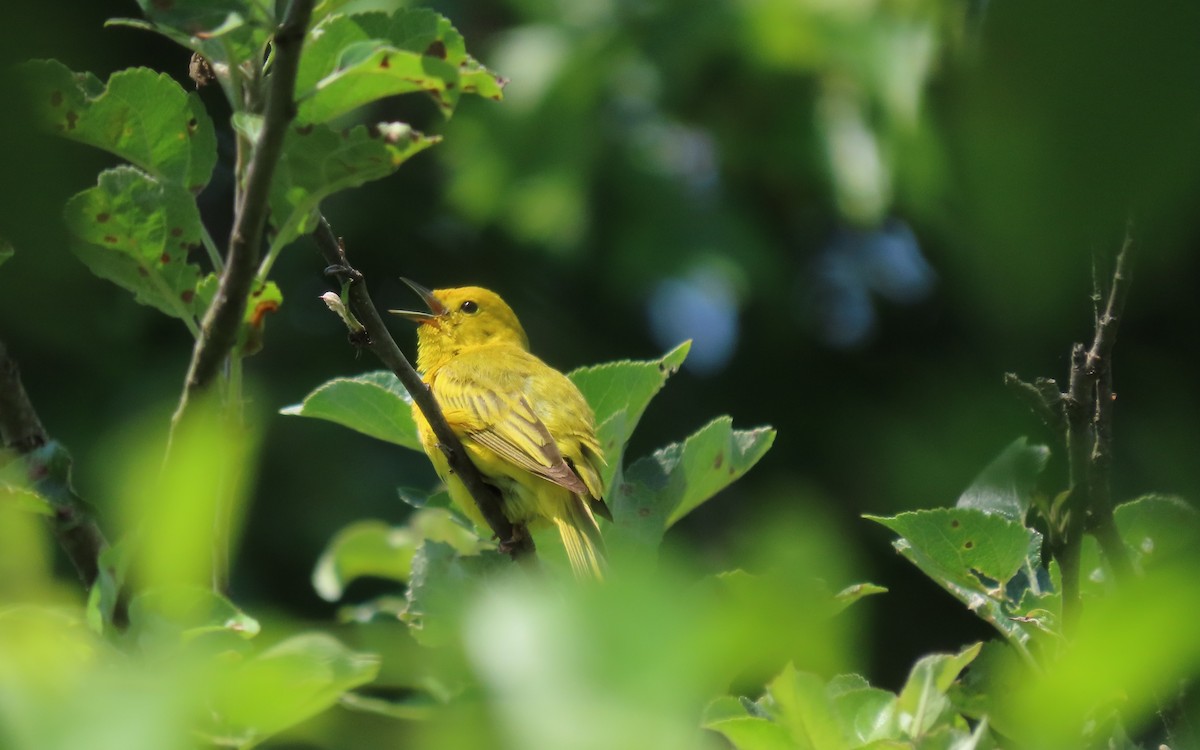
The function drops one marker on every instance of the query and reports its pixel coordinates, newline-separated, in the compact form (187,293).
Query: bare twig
(218,332)
(376,337)
(22,432)
(1083,417)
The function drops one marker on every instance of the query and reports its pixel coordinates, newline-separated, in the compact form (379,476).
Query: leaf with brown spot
(322,162)
(141,116)
(352,60)
(123,230)
(675,480)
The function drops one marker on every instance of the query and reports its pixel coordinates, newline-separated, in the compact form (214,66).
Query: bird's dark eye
(469,307)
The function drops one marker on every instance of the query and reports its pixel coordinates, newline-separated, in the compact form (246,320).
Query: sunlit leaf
(374,404)
(619,392)
(1006,485)
(351,60)
(922,702)
(865,714)
(137,232)
(752,733)
(802,705)
(140,115)
(854,593)
(318,161)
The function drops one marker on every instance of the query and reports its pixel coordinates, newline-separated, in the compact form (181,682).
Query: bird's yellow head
(459,319)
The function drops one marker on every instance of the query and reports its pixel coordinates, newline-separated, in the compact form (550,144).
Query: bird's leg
(519,535)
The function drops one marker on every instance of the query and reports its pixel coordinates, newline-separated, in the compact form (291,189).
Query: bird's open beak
(436,308)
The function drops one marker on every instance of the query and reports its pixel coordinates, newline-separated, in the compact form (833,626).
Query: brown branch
(375,336)
(1083,417)
(219,330)
(22,432)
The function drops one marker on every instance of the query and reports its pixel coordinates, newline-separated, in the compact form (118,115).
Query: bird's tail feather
(581,538)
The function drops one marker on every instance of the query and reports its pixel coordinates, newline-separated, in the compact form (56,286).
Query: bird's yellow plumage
(524,424)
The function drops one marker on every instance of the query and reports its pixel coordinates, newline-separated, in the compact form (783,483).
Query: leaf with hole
(972,555)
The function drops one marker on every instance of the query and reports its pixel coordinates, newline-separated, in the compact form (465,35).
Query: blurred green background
(863,212)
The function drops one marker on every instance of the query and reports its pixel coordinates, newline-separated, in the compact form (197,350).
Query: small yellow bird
(525,425)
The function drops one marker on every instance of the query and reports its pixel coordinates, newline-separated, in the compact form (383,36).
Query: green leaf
(284,685)
(352,60)
(922,703)
(6,251)
(317,162)
(803,706)
(224,31)
(24,499)
(416,707)
(1007,484)
(365,548)
(373,548)
(853,593)
(136,232)
(140,115)
(619,392)
(964,541)
(374,404)
(864,714)
(753,733)
(661,488)
(1157,528)
(435,590)
(972,555)
(183,613)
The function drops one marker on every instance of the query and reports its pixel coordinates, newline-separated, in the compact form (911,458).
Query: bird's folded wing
(510,428)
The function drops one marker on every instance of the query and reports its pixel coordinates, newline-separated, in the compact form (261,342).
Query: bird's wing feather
(505,423)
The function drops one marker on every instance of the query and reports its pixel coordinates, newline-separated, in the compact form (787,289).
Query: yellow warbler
(524,424)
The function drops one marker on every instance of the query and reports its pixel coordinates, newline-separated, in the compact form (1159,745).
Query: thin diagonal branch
(218,332)
(376,337)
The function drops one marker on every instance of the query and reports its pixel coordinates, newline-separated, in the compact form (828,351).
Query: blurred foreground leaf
(284,685)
